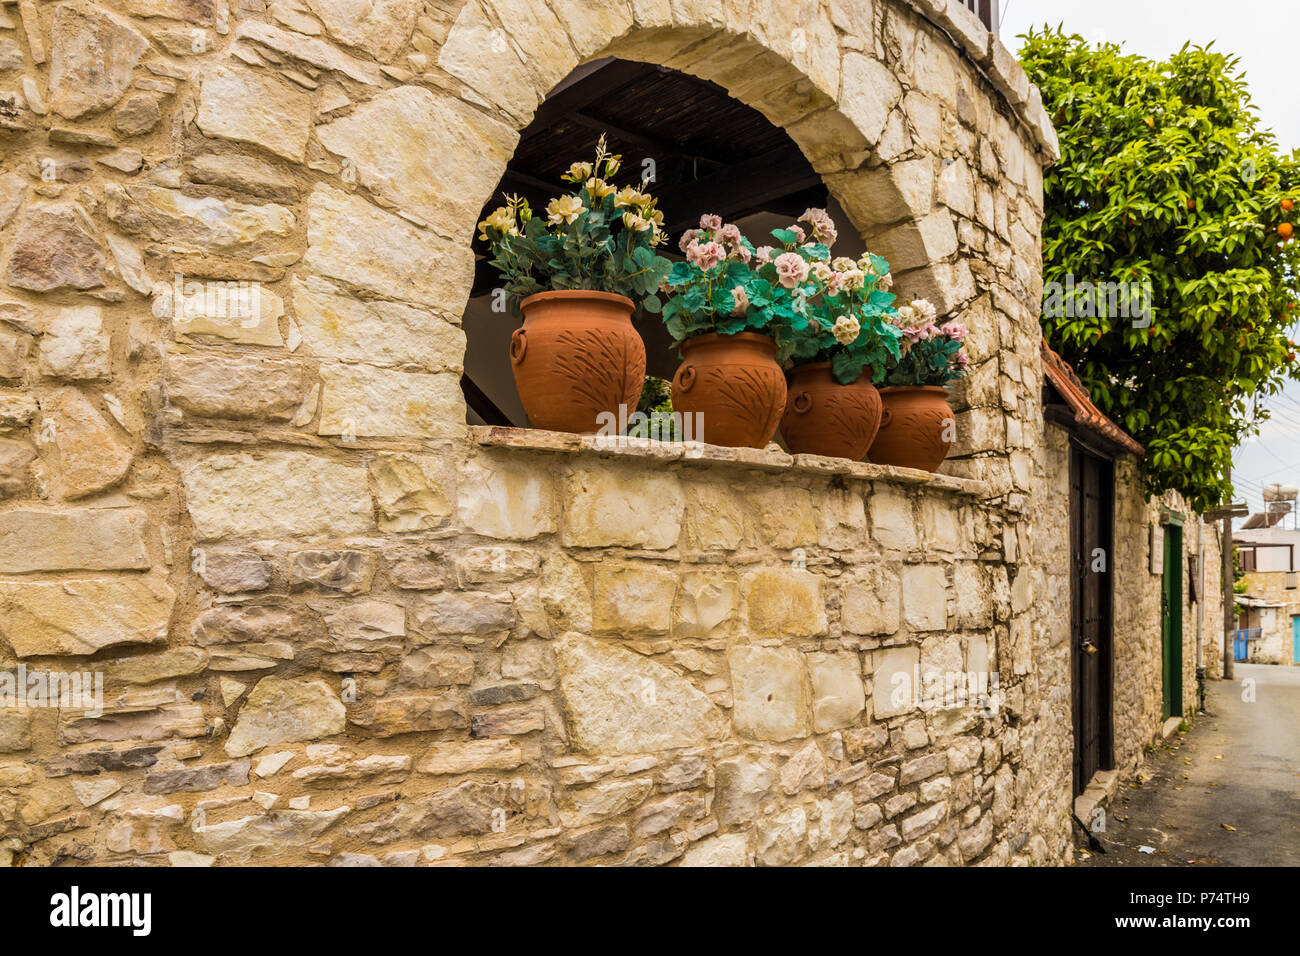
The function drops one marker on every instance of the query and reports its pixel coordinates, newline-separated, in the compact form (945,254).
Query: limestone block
(925,597)
(456,758)
(76,344)
(742,783)
(411,492)
(888,193)
(351,240)
(275,494)
(974,596)
(931,238)
(706,603)
(89,452)
(257,108)
(428,154)
(838,697)
(15,473)
(461,614)
(503,496)
(870,603)
(92,56)
(782,838)
(284,711)
(364,401)
(414,713)
(56,248)
(868,92)
(770,693)
(218,386)
(479,54)
(168,215)
(81,539)
(632,600)
(728,849)
(85,615)
(894,680)
(380,27)
(714,518)
(628,508)
(893,524)
(781,602)
(785,516)
(619,702)
(335,325)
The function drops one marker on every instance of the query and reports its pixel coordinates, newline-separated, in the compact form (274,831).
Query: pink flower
(742,300)
(835,283)
(799,234)
(791,269)
(688,237)
(955,331)
(710,223)
(741,254)
(764,253)
(823,227)
(962,360)
(705,255)
(730,234)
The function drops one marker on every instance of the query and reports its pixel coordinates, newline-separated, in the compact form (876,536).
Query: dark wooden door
(1171,622)
(1091,539)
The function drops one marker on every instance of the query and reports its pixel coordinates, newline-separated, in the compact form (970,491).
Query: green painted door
(1171,621)
(1295,639)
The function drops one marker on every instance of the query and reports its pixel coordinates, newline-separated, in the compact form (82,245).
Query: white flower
(846,330)
(563,209)
(924,309)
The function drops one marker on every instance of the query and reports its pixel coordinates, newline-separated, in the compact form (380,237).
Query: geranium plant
(599,237)
(848,306)
(931,353)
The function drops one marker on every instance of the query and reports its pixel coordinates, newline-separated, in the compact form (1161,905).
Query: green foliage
(816,308)
(932,353)
(716,289)
(1166,178)
(600,237)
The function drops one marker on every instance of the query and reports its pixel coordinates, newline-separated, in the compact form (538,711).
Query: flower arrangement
(716,288)
(931,353)
(600,237)
(847,302)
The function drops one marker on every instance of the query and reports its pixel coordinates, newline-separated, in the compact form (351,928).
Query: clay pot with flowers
(832,407)
(918,426)
(731,318)
(577,277)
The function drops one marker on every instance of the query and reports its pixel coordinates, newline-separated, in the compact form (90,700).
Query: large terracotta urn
(576,356)
(915,427)
(732,386)
(825,417)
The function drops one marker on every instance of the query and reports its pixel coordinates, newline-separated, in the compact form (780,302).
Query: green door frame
(1171,619)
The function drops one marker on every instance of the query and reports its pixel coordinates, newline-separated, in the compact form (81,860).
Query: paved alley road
(1240,766)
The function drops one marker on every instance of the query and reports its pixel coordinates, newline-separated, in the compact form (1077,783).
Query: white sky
(1265,34)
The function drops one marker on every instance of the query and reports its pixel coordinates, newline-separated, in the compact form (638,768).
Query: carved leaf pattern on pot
(745,393)
(604,367)
(853,414)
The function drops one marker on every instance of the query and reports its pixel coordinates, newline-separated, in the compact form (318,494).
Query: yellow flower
(630,197)
(598,188)
(636,223)
(577,173)
(564,209)
(501,220)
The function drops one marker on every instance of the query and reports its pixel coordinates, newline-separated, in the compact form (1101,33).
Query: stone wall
(336,624)
(1138,683)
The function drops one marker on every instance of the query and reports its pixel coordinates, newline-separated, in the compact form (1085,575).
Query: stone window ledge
(770,460)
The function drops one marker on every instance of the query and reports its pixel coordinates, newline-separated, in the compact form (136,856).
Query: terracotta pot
(732,382)
(575,356)
(824,417)
(913,427)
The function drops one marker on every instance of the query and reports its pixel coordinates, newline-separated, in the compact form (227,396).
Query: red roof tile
(1087,414)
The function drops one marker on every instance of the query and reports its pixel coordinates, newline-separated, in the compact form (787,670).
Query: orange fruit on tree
(1191,204)
(1288,205)
(1285,229)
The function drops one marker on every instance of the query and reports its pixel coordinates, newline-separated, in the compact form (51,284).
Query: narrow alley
(1238,767)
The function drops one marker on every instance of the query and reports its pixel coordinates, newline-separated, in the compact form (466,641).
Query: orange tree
(1167,188)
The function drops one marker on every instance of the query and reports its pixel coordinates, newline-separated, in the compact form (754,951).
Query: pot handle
(518,346)
(886,416)
(802,403)
(686,377)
